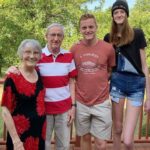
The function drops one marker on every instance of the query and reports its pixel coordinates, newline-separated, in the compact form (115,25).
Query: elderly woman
(23,108)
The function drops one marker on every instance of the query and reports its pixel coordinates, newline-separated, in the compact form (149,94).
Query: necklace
(30,76)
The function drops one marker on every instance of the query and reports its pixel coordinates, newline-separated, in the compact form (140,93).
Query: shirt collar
(48,53)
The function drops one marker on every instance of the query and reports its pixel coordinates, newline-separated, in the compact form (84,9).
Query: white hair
(55,25)
(28,42)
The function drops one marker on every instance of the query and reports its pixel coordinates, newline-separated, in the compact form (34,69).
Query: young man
(94,58)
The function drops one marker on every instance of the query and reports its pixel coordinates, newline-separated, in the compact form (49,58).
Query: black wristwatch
(75,105)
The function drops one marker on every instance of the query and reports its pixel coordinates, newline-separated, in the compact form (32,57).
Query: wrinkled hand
(71,115)
(147,106)
(18,146)
(13,70)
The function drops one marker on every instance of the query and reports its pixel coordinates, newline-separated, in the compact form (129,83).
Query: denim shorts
(125,85)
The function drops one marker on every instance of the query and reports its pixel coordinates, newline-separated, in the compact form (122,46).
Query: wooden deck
(138,146)
(141,142)
(142,135)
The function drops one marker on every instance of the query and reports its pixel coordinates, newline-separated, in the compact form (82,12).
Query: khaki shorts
(96,120)
(58,124)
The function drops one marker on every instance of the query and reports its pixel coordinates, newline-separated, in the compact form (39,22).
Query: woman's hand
(9,122)
(18,145)
(147,106)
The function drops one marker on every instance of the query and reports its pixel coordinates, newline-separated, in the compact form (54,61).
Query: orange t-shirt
(92,64)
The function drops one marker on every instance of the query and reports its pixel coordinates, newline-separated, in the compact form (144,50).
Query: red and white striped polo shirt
(55,72)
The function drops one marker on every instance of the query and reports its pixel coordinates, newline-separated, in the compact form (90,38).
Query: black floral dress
(25,101)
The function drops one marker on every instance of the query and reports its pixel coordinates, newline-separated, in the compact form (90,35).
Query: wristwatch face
(74,105)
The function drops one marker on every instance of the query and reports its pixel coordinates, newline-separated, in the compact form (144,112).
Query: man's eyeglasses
(55,34)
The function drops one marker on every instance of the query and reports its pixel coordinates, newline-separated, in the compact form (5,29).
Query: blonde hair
(87,16)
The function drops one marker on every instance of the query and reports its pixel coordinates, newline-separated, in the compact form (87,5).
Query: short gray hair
(28,42)
(55,25)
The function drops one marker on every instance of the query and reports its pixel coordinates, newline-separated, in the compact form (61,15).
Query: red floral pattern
(22,88)
(44,131)
(40,103)
(22,123)
(26,88)
(8,99)
(25,102)
(31,143)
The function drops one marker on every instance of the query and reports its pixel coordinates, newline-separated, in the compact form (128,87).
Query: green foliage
(1,125)
(144,126)
(104,22)
(140,17)
(22,19)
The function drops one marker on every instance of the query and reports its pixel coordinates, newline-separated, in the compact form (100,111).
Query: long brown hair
(127,33)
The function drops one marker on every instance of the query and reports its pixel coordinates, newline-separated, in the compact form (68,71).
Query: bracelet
(75,105)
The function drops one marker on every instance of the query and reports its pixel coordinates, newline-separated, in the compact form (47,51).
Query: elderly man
(57,69)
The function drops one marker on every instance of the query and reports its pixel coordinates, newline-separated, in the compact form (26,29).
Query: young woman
(129,77)
(23,109)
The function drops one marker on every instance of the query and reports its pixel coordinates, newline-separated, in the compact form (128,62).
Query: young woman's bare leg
(117,111)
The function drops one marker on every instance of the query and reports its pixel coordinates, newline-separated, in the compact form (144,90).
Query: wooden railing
(142,134)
